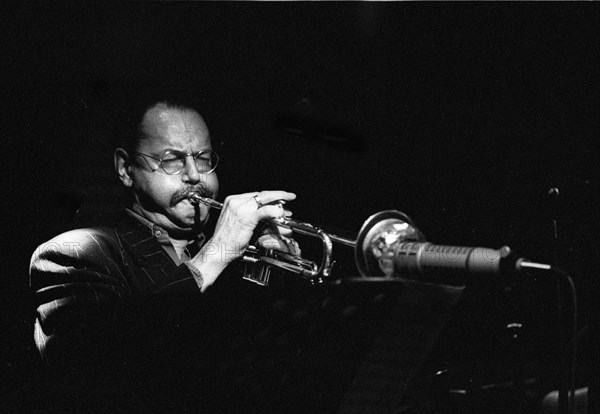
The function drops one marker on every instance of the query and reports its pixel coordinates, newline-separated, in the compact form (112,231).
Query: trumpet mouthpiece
(197,198)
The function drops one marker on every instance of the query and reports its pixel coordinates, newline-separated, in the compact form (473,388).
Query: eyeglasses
(173,162)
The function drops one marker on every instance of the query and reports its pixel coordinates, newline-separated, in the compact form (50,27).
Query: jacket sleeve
(79,283)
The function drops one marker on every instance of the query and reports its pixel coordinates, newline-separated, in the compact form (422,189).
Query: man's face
(160,196)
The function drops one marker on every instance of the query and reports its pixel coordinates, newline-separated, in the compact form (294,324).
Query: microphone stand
(564,396)
(388,246)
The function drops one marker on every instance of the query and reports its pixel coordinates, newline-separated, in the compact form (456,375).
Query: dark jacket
(119,324)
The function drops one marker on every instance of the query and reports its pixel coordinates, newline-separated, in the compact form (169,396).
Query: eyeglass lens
(174,163)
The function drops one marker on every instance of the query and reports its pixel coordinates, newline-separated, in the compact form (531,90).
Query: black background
(462,115)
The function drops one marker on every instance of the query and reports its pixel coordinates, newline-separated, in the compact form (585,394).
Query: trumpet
(388,247)
(259,260)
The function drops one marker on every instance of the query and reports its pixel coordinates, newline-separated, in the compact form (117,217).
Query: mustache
(181,194)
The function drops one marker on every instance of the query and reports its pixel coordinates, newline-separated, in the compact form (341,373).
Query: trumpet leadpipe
(343,240)
(204,200)
(304,228)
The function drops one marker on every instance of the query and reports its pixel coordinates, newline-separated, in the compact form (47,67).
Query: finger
(241,198)
(282,202)
(284,244)
(246,195)
(292,246)
(267,197)
(270,211)
(269,241)
(284,231)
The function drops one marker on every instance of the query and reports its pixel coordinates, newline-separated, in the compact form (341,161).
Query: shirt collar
(158,232)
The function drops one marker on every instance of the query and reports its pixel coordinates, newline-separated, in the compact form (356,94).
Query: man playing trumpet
(104,295)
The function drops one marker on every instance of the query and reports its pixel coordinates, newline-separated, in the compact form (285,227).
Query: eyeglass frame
(182,155)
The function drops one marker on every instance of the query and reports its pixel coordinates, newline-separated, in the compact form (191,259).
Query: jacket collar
(148,240)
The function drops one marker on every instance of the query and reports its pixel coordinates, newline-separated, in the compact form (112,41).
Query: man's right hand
(236,224)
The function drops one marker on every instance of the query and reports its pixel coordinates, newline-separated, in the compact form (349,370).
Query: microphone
(390,245)
(416,258)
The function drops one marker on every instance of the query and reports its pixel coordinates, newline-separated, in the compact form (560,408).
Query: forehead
(176,129)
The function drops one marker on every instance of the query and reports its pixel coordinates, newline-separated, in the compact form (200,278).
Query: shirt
(186,252)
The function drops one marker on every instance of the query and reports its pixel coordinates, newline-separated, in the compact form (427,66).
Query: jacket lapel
(151,264)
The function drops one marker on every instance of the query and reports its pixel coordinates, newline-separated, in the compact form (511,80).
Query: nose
(190,172)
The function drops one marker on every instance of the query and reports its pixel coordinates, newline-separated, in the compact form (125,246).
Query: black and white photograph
(310,207)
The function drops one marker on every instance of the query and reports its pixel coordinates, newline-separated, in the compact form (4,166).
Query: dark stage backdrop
(463,116)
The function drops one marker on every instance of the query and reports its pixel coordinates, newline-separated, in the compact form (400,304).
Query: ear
(123,166)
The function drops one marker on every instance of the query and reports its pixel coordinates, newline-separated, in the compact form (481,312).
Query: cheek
(212,182)
(159,187)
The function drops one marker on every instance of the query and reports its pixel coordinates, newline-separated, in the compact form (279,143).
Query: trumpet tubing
(388,247)
(373,249)
(259,261)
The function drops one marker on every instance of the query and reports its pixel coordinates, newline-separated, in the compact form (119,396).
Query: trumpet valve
(255,271)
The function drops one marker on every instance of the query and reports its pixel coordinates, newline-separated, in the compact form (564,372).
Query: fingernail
(271,244)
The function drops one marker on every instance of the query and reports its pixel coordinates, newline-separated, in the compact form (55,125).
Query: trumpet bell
(372,254)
